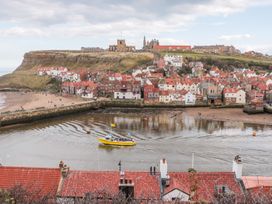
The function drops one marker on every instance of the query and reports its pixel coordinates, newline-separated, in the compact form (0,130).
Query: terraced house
(64,185)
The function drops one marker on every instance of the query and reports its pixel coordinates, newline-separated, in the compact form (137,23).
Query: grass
(24,79)
(26,75)
(257,61)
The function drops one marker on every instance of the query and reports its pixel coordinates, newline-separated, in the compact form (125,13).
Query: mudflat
(230,114)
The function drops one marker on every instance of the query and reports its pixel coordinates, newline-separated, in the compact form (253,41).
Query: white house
(174,60)
(268,82)
(241,97)
(190,98)
(234,96)
(126,95)
(176,195)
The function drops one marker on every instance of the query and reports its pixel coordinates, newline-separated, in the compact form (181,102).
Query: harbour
(174,135)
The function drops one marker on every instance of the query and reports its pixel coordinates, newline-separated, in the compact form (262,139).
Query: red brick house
(151,94)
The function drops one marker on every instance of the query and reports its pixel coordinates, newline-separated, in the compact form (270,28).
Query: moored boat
(110,140)
(268,108)
(253,109)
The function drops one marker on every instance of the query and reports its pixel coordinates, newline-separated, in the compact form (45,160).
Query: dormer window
(222,189)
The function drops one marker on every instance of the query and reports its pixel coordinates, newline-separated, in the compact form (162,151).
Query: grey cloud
(84,17)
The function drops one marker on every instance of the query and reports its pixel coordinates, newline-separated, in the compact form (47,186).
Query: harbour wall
(20,117)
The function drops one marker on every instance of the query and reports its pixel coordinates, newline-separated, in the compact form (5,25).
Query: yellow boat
(109,140)
(113,125)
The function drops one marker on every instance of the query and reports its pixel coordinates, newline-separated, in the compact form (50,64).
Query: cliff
(25,75)
(89,60)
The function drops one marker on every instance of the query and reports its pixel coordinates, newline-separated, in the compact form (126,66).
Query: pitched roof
(205,183)
(41,181)
(257,181)
(78,183)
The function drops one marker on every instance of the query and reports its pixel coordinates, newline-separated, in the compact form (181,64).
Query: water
(168,134)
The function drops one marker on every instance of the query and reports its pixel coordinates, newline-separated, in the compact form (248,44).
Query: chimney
(165,178)
(64,170)
(61,164)
(163,169)
(237,166)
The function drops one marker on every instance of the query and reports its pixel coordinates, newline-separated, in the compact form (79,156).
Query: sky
(27,25)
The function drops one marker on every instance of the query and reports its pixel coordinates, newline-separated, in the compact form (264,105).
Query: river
(162,134)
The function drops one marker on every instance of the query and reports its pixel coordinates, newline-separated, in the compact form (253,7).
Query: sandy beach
(30,100)
(230,114)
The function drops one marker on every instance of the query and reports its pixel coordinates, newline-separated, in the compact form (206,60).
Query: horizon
(69,25)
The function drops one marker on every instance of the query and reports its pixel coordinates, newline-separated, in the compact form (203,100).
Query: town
(171,79)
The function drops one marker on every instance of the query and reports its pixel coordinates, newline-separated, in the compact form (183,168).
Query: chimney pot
(163,169)
(237,166)
(61,164)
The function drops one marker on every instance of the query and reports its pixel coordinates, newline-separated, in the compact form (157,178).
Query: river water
(163,134)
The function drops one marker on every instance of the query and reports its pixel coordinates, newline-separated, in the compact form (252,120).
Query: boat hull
(268,108)
(116,143)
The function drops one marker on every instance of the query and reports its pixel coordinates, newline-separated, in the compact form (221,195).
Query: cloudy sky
(69,24)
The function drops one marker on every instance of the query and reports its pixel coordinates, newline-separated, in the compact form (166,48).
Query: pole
(193,159)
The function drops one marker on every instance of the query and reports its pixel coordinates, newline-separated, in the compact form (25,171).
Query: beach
(229,114)
(30,100)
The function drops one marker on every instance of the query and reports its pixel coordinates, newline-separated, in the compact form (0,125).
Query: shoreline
(230,115)
(25,107)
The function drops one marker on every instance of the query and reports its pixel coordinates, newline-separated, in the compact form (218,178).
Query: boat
(268,108)
(110,140)
(253,109)
(113,125)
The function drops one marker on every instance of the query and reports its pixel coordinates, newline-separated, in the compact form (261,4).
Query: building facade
(121,47)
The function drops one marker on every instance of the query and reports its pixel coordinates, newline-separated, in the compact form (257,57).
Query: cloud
(235,37)
(108,17)
(263,48)
(22,32)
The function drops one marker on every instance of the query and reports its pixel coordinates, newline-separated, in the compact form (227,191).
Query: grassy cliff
(25,75)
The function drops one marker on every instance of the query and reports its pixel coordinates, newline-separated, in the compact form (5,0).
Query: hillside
(228,61)
(25,75)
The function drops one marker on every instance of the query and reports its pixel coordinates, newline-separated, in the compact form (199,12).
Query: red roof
(78,183)
(230,90)
(257,181)
(205,183)
(41,181)
(156,75)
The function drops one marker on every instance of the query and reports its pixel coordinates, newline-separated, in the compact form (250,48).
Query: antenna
(120,166)
(193,159)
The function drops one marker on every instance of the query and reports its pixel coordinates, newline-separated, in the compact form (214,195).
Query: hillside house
(173,60)
(128,90)
(234,96)
(151,94)
(190,98)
